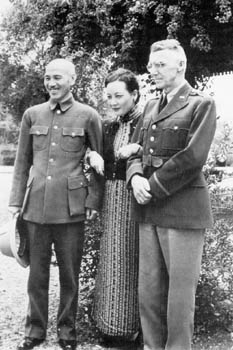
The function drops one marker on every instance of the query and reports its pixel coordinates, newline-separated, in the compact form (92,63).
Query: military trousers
(67,240)
(169,268)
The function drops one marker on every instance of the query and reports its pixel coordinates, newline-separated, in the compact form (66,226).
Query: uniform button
(153,127)
(51,160)
(55,127)
(58,111)
(49,177)
(176,127)
(152,138)
(73,134)
(151,150)
(37,133)
(53,143)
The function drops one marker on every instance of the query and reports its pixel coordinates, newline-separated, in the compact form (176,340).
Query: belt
(153,161)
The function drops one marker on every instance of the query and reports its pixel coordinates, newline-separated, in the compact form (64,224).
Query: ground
(13,302)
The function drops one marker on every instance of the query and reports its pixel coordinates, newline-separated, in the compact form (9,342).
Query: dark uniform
(50,186)
(175,143)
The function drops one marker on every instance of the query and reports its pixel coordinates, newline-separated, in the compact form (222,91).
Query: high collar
(132,114)
(64,105)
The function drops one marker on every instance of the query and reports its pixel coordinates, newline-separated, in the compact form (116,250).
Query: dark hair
(125,75)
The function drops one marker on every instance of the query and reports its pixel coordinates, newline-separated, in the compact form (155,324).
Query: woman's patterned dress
(116,296)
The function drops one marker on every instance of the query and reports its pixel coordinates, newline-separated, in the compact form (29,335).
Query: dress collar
(132,114)
(63,105)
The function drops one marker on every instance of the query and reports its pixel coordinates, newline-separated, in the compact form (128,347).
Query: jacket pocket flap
(73,132)
(77,182)
(39,130)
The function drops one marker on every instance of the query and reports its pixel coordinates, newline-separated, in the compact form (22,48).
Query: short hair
(170,44)
(63,63)
(126,76)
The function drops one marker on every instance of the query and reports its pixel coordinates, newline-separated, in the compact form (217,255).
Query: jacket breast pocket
(174,138)
(40,137)
(77,193)
(72,139)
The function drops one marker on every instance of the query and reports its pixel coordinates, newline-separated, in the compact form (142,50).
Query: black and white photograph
(116,175)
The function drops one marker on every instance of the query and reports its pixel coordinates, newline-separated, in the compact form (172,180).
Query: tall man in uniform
(172,201)
(54,197)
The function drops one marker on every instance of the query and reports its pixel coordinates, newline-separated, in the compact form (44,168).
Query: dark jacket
(49,182)
(176,143)
(115,168)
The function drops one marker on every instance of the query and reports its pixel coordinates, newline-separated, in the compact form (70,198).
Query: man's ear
(181,66)
(73,78)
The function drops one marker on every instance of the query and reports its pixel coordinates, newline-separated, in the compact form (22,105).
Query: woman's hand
(128,150)
(96,162)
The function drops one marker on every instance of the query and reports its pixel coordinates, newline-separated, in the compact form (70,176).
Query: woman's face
(119,98)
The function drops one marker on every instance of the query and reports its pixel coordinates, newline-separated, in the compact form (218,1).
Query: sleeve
(182,168)
(23,163)
(134,163)
(95,143)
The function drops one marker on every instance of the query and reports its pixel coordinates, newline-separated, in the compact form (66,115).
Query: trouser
(169,268)
(68,245)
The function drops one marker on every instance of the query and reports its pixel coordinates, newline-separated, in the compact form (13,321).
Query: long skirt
(116,293)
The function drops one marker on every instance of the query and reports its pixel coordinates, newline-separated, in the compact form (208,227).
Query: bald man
(52,194)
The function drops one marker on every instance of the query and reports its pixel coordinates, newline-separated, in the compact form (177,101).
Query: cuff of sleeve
(93,203)
(156,187)
(133,170)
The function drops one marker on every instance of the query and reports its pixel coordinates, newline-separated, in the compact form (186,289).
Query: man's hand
(141,188)
(128,150)
(96,162)
(91,214)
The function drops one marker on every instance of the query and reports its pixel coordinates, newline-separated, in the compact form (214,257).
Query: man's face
(57,82)
(164,67)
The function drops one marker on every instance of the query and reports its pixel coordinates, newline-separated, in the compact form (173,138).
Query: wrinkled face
(119,98)
(57,81)
(165,69)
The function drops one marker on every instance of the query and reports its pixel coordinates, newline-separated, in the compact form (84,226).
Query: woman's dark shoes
(29,343)
(67,344)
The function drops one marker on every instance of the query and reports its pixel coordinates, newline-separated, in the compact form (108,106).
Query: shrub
(214,305)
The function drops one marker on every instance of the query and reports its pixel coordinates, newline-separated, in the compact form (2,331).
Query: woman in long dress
(116,294)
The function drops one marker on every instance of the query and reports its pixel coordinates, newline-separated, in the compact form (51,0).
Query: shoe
(67,344)
(29,343)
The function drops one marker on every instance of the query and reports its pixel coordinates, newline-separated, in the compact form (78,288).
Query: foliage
(98,35)
(96,32)
(214,306)
(222,148)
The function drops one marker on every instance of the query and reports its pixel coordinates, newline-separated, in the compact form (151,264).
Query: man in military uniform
(54,197)
(172,201)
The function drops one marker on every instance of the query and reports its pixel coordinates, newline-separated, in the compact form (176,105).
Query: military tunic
(49,181)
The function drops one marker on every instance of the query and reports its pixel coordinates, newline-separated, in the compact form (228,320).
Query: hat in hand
(14,241)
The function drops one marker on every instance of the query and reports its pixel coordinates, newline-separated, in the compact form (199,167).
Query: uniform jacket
(48,181)
(175,143)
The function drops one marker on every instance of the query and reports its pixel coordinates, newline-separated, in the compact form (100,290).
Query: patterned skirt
(116,292)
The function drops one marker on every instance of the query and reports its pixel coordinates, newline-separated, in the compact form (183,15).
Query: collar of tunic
(63,105)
